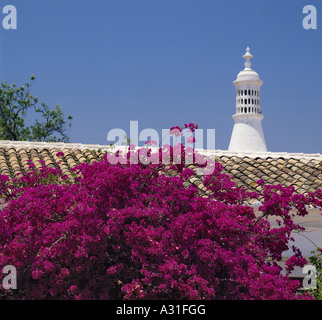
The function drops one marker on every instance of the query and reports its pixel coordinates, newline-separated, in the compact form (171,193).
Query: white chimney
(247,135)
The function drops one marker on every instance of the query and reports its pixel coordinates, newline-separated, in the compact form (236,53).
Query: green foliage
(15,102)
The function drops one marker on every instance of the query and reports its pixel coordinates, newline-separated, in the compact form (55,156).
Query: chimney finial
(247,56)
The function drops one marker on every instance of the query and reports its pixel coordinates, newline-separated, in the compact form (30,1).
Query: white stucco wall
(247,134)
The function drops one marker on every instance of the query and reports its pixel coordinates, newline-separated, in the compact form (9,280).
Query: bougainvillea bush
(131,231)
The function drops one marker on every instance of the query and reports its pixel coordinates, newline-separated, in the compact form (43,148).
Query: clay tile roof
(303,171)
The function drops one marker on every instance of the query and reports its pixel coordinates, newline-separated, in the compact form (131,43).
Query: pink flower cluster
(191,126)
(177,131)
(129,231)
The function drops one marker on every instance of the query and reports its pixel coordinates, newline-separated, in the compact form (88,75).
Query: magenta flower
(191,140)
(191,126)
(151,142)
(177,131)
(60,154)
(147,231)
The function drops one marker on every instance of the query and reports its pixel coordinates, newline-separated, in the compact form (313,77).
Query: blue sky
(169,62)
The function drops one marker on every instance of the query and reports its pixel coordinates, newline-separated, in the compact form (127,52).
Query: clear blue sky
(167,62)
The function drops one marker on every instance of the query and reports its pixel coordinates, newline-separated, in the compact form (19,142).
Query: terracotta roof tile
(304,172)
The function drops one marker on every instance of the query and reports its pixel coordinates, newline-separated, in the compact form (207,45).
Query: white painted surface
(247,135)
(308,239)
